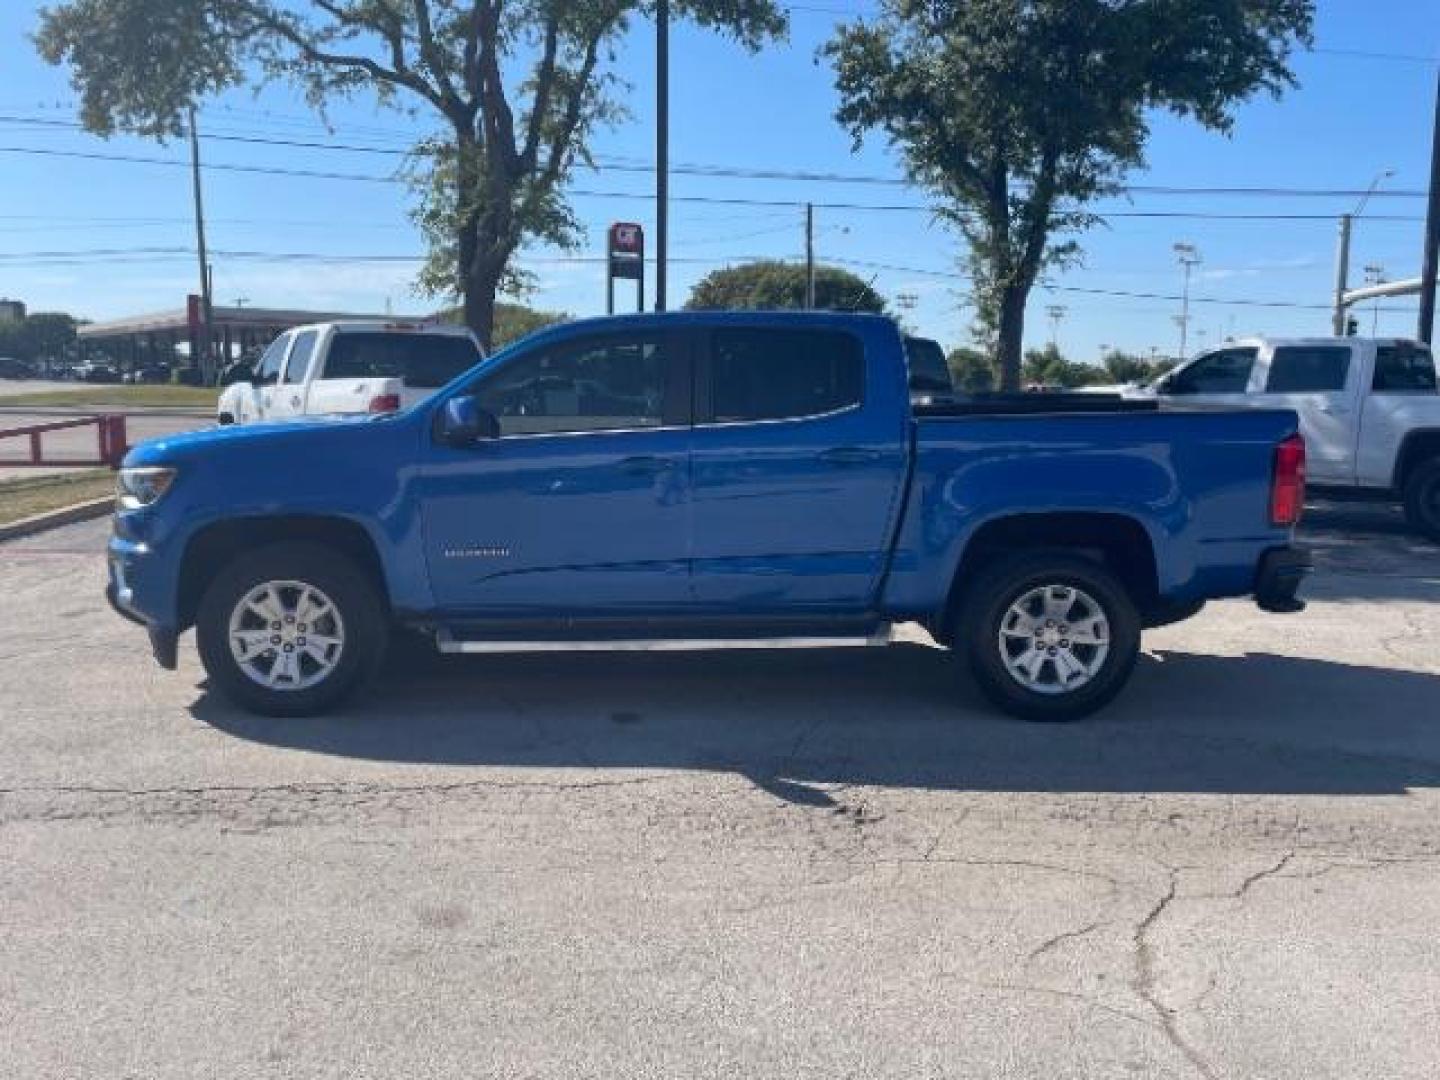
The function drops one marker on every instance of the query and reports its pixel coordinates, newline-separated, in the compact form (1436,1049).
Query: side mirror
(462,422)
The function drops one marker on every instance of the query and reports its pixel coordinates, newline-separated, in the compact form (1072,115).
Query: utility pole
(662,148)
(1189,259)
(1430,264)
(809,256)
(202,361)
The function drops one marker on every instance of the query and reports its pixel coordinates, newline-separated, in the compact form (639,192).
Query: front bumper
(164,641)
(1278,579)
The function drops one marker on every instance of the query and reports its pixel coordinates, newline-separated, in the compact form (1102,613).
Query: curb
(66,515)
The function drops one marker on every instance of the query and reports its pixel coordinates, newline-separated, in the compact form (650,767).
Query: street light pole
(1374,275)
(662,148)
(1056,313)
(1342,254)
(1189,258)
(809,256)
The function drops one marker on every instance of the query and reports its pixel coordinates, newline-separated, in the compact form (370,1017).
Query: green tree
(515,90)
(1126,368)
(512,321)
(1018,114)
(1048,367)
(971,370)
(44,336)
(771,284)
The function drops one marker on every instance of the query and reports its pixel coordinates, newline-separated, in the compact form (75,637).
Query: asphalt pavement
(822,864)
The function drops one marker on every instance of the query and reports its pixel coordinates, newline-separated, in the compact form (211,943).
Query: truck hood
(242,440)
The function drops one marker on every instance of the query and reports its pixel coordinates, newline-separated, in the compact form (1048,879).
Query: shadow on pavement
(892,717)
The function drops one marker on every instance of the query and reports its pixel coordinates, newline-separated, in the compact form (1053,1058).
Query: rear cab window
(1403,368)
(758,375)
(1308,369)
(1223,372)
(420,361)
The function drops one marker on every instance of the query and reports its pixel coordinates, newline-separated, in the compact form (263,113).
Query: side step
(447,642)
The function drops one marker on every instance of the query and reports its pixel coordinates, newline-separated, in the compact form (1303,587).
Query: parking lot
(821,864)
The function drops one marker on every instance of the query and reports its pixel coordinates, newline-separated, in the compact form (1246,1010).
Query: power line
(703,200)
(733,172)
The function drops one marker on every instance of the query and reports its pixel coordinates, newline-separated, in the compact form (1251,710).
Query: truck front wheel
(1422,499)
(1048,636)
(290,629)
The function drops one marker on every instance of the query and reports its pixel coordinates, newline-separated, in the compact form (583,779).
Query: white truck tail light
(383,403)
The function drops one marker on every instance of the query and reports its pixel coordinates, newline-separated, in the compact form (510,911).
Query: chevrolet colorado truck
(701,480)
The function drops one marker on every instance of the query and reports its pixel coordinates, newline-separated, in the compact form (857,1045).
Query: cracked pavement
(733,864)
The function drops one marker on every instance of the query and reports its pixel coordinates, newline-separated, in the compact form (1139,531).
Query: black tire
(1422,499)
(986,606)
(363,628)
(225,419)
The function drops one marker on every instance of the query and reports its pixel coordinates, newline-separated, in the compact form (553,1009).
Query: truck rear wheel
(1422,499)
(1049,636)
(290,629)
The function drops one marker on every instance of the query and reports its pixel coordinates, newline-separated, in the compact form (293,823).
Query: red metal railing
(110,441)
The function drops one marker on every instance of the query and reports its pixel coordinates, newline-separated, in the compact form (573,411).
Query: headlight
(135,488)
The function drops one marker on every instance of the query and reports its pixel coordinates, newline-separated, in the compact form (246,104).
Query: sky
(104,238)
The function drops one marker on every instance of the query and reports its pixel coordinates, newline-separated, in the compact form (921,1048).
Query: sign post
(624,258)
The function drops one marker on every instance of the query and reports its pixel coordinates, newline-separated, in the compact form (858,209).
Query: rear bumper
(1278,579)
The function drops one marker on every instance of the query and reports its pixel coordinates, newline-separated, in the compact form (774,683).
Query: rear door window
(783,374)
(298,366)
(421,361)
(1308,369)
(1223,372)
(1404,369)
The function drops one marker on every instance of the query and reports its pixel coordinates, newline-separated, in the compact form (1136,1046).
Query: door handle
(1334,410)
(646,465)
(295,401)
(849,455)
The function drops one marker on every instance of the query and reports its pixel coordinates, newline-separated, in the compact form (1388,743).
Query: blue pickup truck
(703,480)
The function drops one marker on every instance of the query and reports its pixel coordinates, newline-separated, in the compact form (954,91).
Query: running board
(446,642)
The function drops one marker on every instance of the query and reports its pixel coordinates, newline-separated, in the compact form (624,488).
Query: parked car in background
(148,374)
(97,373)
(347,367)
(13,368)
(756,479)
(1369,409)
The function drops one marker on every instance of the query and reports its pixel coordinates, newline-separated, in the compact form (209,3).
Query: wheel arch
(215,545)
(1118,541)
(1417,447)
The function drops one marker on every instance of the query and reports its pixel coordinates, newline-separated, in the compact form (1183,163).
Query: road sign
(625,259)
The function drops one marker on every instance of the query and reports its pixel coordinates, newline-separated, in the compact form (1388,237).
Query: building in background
(12,311)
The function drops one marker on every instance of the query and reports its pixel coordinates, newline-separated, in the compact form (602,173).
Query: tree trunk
(1011,336)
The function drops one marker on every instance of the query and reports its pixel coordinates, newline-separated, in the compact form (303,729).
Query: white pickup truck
(1368,408)
(347,367)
